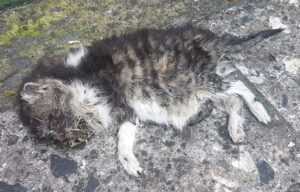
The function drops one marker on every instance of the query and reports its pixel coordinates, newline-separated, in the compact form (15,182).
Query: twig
(7,76)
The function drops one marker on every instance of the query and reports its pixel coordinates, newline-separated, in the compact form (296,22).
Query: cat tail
(237,44)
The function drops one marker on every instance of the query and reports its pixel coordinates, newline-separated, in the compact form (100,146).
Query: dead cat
(162,76)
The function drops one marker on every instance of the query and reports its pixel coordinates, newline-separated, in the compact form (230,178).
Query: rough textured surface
(202,157)
(266,173)
(62,166)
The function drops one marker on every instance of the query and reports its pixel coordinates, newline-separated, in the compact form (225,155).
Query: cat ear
(30,92)
(30,86)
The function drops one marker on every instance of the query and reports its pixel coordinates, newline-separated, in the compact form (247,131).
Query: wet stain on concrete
(92,184)
(11,188)
(62,166)
(266,173)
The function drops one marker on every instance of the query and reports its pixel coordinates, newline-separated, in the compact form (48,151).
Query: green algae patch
(18,28)
(29,30)
(35,21)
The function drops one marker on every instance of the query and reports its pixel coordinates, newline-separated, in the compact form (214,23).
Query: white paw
(260,112)
(236,132)
(131,164)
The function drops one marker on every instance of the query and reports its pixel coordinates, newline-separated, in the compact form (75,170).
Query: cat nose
(31,86)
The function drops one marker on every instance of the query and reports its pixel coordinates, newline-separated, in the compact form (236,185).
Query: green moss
(37,27)
(50,17)
(29,30)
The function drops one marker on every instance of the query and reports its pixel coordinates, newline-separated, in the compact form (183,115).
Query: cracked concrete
(202,157)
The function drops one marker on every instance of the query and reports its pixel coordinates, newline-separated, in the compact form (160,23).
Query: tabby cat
(162,76)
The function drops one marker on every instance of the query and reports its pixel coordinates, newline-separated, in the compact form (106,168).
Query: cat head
(45,106)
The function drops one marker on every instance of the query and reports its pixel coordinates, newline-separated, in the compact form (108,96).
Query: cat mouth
(77,132)
(72,138)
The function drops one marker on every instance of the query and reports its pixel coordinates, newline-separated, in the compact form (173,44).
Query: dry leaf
(11,94)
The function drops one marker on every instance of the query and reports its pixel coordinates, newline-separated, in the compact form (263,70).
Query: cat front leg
(126,141)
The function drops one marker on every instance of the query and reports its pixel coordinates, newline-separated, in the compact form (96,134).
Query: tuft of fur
(163,76)
(74,59)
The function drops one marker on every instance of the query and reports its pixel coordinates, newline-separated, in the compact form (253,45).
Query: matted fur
(164,76)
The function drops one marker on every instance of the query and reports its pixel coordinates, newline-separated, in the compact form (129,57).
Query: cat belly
(150,111)
(177,115)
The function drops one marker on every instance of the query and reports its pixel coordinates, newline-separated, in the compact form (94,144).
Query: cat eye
(44,88)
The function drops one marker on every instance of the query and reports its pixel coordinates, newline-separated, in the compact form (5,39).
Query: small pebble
(291,144)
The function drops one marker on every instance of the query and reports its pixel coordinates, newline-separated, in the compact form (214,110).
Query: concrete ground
(202,157)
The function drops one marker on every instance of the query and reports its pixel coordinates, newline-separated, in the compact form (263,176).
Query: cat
(161,76)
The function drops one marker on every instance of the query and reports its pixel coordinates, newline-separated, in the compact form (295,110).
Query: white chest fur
(87,100)
(177,115)
(151,111)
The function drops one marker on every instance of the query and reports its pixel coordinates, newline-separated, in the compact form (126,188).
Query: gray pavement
(202,157)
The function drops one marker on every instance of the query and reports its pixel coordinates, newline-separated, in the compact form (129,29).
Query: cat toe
(260,112)
(131,165)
